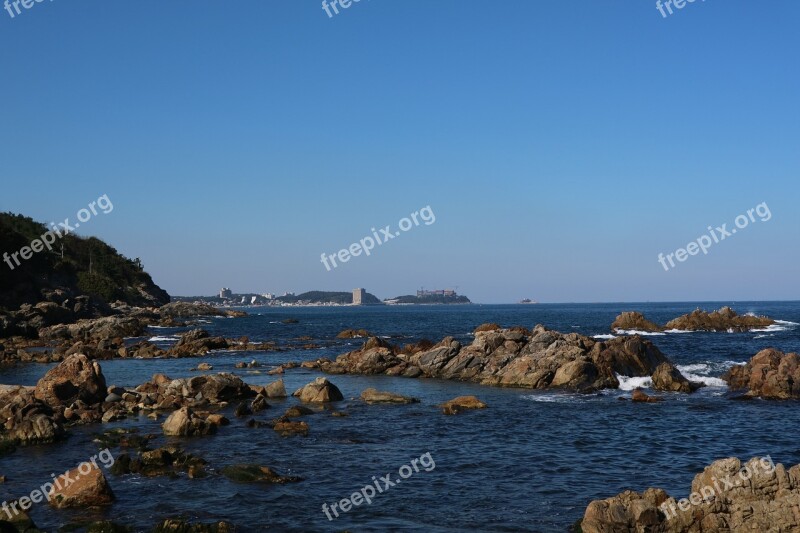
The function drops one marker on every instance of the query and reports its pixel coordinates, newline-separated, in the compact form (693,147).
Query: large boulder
(76,378)
(669,379)
(319,391)
(81,487)
(634,321)
(727,496)
(187,309)
(770,374)
(185,423)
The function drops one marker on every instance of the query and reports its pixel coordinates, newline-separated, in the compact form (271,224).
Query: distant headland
(227,298)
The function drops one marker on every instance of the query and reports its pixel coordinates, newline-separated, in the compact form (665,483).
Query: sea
(531,461)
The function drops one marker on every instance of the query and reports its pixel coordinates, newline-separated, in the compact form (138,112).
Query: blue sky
(561,145)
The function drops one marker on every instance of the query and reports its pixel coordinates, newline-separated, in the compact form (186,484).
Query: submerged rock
(462,403)
(184,526)
(375,396)
(248,473)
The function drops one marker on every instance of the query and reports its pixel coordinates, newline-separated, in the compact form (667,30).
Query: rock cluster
(770,374)
(727,496)
(543,359)
(725,319)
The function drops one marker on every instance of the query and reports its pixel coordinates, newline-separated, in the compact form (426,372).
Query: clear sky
(562,145)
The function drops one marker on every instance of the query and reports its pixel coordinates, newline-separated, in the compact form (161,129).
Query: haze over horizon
(562,146)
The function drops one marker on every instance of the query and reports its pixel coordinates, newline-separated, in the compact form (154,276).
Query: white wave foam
(637,332)
(679,331)
(697,367)
(779,325)
(163,339)
(763,336)
(627,383)
(554,398)
(605,336)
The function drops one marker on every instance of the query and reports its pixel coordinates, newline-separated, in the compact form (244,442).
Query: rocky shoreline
(75,392)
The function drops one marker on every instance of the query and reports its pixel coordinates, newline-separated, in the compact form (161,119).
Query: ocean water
(532,461)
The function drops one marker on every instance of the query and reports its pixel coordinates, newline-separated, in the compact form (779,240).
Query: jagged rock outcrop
(633,320)
(770,374)
(727,496)
(197,342)
(106,328)
(76,378)
(669,379)
(725,319)
(185,423)
(542,359)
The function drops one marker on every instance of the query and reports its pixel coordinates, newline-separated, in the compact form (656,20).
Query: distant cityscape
(357,297)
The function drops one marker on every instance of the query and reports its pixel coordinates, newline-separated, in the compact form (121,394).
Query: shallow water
(532,461)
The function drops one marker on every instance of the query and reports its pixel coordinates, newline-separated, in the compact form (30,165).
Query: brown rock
(457,405)
(669,379)
(319,391)
(770,374)
(632,320)
(76,378)
(184,423)
(640,396)
(82,487)
(374,396)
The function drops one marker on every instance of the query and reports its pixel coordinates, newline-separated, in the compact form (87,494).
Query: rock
(113,398)
(185,423)
(80,488)
(186,310)
(640,396)
(353,334)
(297,411)
(182,526)
(726,496)
(275,389)
(374,396)
(290,427)
(204,367)
(462,403)
(259,404)
(669,379)
(218,420)
(275,371)
(538,359)
(319,391)
(249,473)
(487,327)
(290,321)
(725,319)
(76,378)
(634,321)
(109,327)
(770,374)
(197,342)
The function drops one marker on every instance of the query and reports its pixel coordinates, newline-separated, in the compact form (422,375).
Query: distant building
(269,296)
(225,293)
(446,292)
(359,296)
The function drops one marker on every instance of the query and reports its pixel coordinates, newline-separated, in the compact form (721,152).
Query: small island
(435,297)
